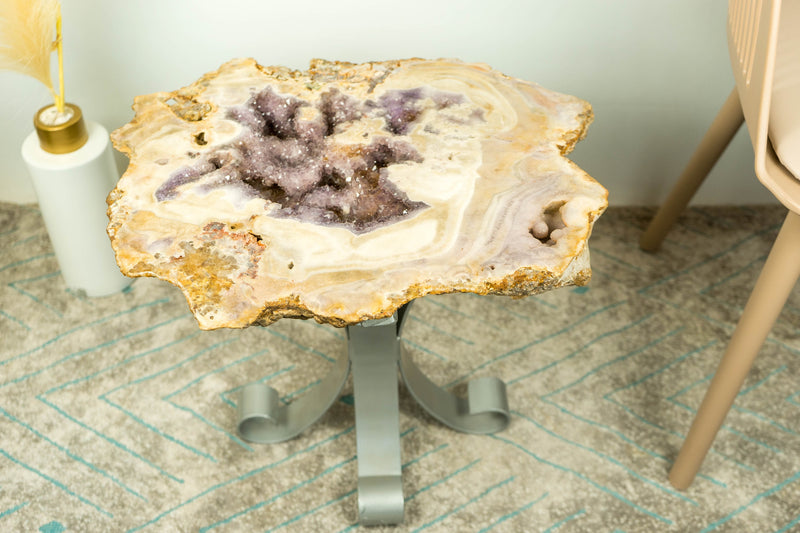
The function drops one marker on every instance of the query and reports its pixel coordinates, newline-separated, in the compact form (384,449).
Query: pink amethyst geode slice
(345,191)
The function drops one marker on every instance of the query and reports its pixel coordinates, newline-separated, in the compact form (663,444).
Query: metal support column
(374,356)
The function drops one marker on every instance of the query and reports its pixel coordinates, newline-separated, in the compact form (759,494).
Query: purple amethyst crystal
(401,109)
(296,163)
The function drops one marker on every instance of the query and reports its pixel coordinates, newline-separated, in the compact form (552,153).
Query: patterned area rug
(118,414)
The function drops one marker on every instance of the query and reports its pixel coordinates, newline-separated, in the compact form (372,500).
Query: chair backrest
(752,42)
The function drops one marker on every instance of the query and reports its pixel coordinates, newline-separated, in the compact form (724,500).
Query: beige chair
(764,44)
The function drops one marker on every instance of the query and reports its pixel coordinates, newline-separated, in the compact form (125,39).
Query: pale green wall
(655,70)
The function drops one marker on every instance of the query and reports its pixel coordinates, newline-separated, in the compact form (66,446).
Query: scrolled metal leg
(264,419)
(484,410)
(374,355)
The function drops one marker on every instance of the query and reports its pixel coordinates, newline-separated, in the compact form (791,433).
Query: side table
(341,194)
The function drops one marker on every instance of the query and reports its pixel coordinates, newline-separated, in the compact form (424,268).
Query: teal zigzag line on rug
(711,259)
(574,353)
(15,320)
(73,456)
(466,504)
(240,478)
(34,298)
(514,513)
(564,521)
(584,478)
(757,498)
(82,327)
(168,398)
(313,510)
(605,335)
(26,261)
(609,397)
(726,427)
(278,496)
(116,443)
(537,341)
(55,483)
(13,510)
(441,480)
(150,427)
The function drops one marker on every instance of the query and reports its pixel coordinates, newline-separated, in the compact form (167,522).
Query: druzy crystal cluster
(287,154)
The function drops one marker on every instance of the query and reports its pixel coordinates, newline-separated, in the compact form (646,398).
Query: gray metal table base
(374,355)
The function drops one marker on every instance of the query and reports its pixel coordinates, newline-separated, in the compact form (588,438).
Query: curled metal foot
(263,418)
(380,500)
(484,410)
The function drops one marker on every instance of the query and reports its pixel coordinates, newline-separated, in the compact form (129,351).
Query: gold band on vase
(61,138)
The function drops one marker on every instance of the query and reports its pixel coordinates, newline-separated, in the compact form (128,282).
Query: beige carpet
(118,414)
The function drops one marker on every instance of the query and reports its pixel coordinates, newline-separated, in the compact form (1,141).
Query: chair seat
(784,116)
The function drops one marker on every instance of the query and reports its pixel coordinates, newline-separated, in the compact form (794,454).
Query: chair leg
(774,285)
(716,139)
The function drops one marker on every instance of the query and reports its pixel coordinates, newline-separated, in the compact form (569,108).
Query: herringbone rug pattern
(118,414)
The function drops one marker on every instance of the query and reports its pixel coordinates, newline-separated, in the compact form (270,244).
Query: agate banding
(342,192)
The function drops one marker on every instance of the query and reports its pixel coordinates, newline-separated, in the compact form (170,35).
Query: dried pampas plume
(29,32)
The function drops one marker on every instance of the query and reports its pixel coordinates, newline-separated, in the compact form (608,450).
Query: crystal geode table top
(345,191)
